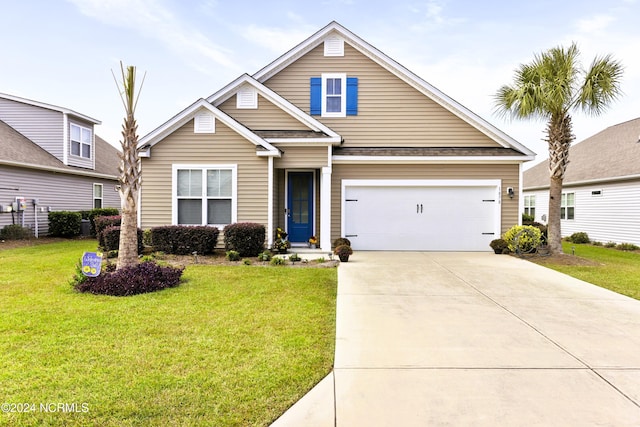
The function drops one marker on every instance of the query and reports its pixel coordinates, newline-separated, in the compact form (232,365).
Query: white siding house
(601,191)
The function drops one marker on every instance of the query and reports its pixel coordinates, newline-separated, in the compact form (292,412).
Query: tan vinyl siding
(302,157)
(390,111)
(266,117)
(507,173)
(185,147)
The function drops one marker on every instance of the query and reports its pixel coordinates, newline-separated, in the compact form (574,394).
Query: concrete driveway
(475,339)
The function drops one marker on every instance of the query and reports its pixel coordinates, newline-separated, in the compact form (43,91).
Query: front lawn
(232,345)
(613,269)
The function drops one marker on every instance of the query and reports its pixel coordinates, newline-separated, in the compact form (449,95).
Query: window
(80,141)
(205,195)
(97,196)
(530,205)
(567,206)
(334,95)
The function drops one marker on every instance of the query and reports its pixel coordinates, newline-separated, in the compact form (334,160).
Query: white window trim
(95,184)
(529,203)
(564,205)
(204,167)
(90,144)
(343,96)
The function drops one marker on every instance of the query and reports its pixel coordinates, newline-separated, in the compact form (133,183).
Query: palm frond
(601,85)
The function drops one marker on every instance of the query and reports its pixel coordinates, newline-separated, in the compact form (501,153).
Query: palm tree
(130,173)
(549,88)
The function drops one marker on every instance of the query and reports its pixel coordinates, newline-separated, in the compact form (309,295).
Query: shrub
(580,237)
(523,238)
(320,260)
(627,247)
(246,261)
(94,213)
(596,243)
(341,241)
(247,238)
(64,223)
(102,222)
(110,237)
(139,279)
(610,245)
(499,246)
(233,256)
(277,261)
(526,218)
(265,256)
(15,232)
(295,258)
(343,250)
(184,240)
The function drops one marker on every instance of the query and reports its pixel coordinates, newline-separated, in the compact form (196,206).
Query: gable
(390,111)
(266,116)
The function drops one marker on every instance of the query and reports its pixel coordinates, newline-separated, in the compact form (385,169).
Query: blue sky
(62,51)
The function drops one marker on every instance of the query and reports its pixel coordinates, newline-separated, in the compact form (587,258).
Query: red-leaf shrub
(246,238)
(102,222)
(140,279)
(184,240)
(110,238)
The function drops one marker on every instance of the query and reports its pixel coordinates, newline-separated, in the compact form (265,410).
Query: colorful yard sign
(91,263)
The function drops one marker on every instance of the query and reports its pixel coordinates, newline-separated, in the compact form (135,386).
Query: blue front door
(300,206)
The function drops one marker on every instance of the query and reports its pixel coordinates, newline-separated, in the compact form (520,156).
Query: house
(335,139)
(601,188)
(51,160)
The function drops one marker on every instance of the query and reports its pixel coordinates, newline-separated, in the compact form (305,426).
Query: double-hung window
(530,205)
(205,195)
(97,196)
(334,95)
(80,141)
(568,206)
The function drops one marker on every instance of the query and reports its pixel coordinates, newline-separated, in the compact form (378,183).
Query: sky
(63,52)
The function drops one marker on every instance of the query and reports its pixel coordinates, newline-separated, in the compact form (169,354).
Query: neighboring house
(601,190)
(335,139)
(51,160)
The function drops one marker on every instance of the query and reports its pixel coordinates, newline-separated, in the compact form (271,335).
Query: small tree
(130,170)
(550,87)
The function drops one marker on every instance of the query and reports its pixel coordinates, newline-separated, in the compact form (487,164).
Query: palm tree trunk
(559,137)
(128,249)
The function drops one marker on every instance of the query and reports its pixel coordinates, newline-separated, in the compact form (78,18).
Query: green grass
(616,270)
(230,346)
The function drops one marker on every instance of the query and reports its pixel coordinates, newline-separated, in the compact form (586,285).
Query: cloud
(277,40)
(152,19)
(594,24)
(433,16)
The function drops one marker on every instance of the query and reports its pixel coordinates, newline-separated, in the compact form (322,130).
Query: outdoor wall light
(510,192)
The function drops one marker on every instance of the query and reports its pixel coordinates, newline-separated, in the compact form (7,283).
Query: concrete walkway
(475,339)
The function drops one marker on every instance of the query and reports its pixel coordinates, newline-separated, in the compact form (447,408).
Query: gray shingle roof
(17,149)
(613,153)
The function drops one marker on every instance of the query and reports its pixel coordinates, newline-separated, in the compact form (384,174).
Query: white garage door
(421,217)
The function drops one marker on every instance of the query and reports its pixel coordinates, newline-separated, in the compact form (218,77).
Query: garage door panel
(420,218)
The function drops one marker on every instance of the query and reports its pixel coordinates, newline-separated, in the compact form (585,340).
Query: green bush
(184,240)
(246,238)
(610,245)
(265,256)
(341,241)
(523,238)
(277,261)
(15,232)
(499,246)
(526,218)
(580,237)
(233,256)
(64,224)
(627,247)
(596,243)
(295,258)
(111,239)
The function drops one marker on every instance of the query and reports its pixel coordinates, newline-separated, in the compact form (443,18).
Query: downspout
(270,231)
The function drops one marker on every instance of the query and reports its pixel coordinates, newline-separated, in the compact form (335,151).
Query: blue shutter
(315,107)
(352,96)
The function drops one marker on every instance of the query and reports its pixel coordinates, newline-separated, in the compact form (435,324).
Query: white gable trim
(189,113)
(398,70)
(50,107)
(229,90)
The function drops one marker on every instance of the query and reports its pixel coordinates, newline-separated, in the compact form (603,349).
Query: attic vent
(247,97)
(204,122)
(334,46)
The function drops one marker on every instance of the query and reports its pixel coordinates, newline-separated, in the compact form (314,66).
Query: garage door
(421,217)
